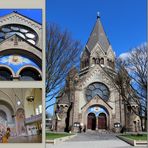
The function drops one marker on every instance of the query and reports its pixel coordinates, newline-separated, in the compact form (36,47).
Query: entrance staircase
(100,131)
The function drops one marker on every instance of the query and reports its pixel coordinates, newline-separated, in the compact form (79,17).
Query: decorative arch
(22,30)
(102,121)
(5,66)
(97,88)
(91,121)
(102,61)
(98,102)
(6,71)
(98,109)
(7,111)
(30,73)
(93,60)
(23,52)
(28,66)
(8,105)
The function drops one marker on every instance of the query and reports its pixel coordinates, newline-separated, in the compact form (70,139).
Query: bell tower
(97,50)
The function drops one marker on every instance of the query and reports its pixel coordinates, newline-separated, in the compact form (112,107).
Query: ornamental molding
(95,73)
(18,19)
(97,101)
(97,51)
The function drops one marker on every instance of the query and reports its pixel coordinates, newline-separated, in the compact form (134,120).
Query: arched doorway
(102,121)
(91,121)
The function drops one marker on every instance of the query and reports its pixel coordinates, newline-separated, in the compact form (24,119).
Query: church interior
(21,112)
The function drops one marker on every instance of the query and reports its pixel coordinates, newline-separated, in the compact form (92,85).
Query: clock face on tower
(99,89)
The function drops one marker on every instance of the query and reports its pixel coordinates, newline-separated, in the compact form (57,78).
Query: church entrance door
(102,121)
(91,121)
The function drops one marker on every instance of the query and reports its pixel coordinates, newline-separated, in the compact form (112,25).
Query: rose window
(23,31)
(99,89)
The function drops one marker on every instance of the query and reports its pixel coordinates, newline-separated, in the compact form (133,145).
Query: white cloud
(124,56)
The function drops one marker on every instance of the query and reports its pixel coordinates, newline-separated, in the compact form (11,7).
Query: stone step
(99,131)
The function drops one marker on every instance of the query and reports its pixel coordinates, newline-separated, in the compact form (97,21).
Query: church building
(89,98)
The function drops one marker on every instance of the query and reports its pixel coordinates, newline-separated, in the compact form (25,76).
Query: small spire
(98,14)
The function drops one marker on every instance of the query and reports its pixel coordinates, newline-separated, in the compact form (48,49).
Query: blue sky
(124,21)
(35,14)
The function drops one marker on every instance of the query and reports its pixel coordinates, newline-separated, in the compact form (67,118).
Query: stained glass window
(99,89)
(23,31)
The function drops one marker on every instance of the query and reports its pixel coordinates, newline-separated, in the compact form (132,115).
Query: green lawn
(136,137)
(51,136)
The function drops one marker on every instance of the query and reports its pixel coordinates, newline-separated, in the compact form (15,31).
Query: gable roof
(27,17)
(20,15)
(97,97)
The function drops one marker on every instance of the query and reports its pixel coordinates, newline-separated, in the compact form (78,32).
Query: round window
(99,89)
(23,31)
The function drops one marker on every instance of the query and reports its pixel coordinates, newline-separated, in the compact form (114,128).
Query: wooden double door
(100,122)
(91,121)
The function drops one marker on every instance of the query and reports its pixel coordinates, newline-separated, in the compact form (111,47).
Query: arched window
(102,61)
(23,31)
(5,74)
(93,61)
(99,89)
(29,74)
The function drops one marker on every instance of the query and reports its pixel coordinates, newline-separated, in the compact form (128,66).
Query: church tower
(97,49)
(95,102)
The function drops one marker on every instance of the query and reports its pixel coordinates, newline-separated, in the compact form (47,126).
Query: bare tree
(131,80)
(61,53)
(136,64)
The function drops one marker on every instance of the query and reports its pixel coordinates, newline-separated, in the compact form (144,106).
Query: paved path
(92,140)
